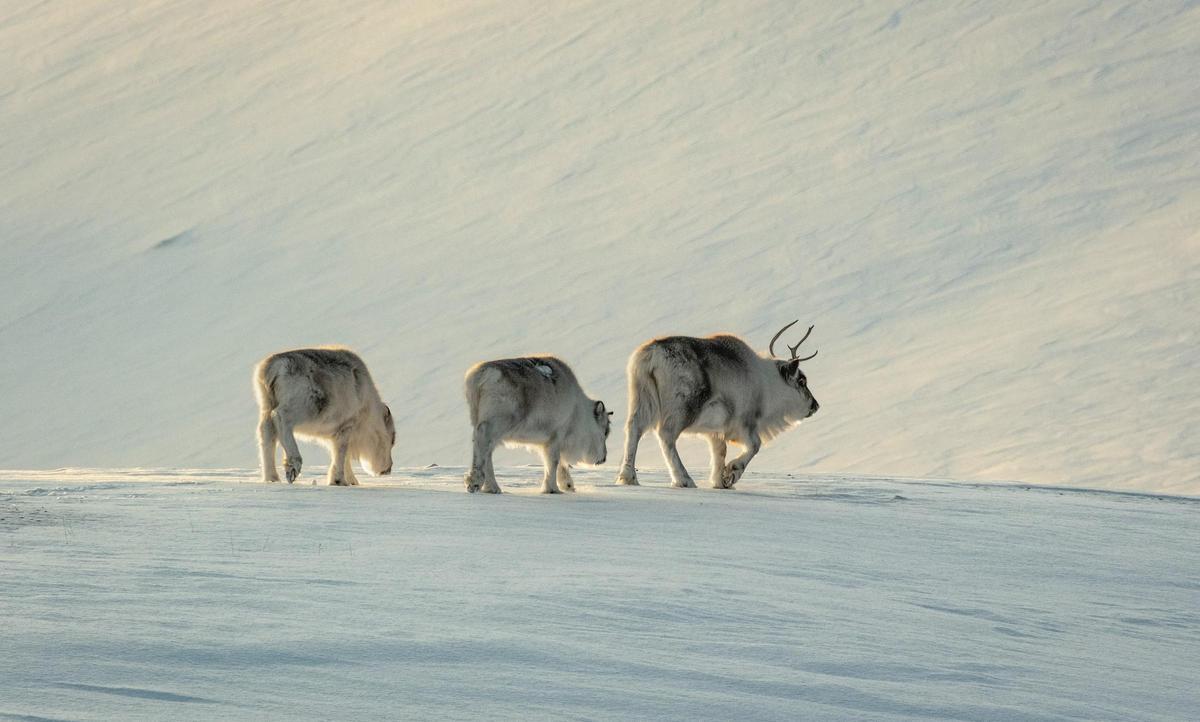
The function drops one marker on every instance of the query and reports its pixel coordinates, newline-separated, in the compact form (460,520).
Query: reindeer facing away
(716,387)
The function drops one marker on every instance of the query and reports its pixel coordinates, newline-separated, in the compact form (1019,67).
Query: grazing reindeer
(324,395)
(537,403)
(716,387)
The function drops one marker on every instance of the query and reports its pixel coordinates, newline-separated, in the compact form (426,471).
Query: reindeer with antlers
(716,387)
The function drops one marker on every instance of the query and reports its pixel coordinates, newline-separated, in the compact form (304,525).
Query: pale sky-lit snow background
(991,213)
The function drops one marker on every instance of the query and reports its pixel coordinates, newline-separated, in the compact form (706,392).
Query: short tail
(265,374)
(644,401)
(472,389)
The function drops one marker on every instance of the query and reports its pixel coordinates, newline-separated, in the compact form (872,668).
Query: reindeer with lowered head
(717,387)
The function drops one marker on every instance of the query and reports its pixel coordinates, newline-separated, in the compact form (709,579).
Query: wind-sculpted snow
(988,210)
(207,595)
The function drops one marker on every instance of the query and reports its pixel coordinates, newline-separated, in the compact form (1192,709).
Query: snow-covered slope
(817,598)
(989,211)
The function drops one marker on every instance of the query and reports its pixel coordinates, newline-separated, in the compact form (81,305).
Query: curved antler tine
(806,335)
(771,346)
(806,358)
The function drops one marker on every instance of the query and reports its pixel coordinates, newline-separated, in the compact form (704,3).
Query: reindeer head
(376,442)
(602,419)
(805,403)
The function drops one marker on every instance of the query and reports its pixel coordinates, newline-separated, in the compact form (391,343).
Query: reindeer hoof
(733,472)
(627,480)
(292,469)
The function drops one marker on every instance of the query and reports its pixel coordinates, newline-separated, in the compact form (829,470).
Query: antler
(793,349)
(775,338)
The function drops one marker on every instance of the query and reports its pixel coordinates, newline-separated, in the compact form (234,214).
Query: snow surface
(151,594)
(990,211)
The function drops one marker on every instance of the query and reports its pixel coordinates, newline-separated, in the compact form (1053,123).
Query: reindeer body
(716,387)
(324,395)
(534,402)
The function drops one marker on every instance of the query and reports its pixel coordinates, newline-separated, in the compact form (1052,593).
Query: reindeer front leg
(337,467)
(734,470)
(718,447)
(552,458)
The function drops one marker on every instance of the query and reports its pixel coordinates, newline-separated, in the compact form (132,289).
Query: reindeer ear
(387,412)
